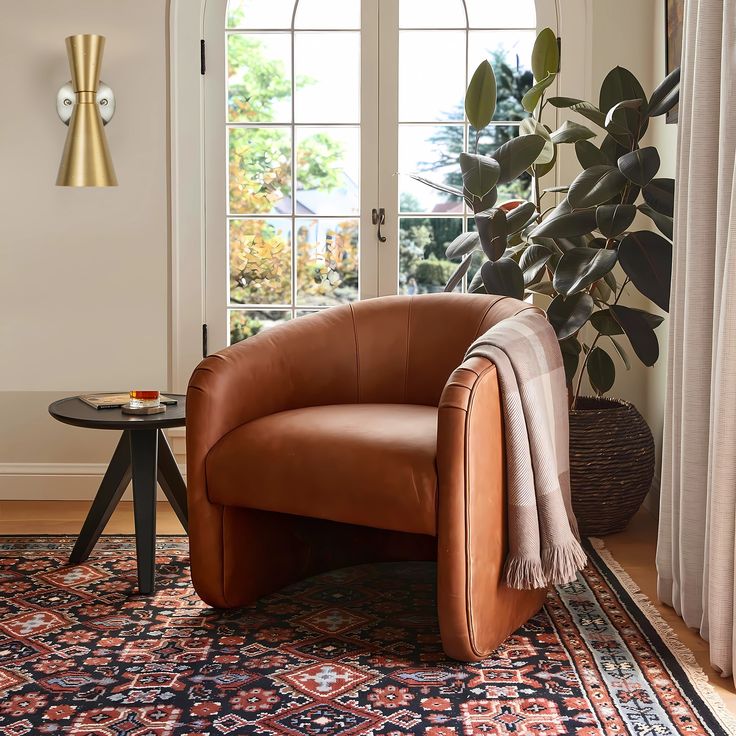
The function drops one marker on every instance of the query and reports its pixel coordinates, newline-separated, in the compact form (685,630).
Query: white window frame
(572,19)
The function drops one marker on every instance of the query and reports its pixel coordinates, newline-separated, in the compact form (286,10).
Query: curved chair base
(262,552)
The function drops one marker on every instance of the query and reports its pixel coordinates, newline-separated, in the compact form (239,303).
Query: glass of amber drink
(144,399)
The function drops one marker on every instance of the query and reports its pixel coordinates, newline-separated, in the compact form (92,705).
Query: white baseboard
(54,481)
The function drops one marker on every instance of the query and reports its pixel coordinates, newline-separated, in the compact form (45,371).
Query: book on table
(115,401)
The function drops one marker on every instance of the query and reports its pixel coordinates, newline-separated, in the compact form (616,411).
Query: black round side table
(142,454)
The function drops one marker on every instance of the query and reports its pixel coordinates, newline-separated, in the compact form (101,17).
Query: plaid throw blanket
(543,534)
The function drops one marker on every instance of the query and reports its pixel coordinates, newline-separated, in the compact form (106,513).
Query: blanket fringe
(523,573)
(561,563)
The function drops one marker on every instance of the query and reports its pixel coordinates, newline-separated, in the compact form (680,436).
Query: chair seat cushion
(368,464)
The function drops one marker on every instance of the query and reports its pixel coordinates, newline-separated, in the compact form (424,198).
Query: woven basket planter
(611,463)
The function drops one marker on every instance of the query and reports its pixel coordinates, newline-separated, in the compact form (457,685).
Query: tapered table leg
(170,480)
(115,481)
(143,452)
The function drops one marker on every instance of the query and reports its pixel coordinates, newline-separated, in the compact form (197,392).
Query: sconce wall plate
(86,160)
(66,99)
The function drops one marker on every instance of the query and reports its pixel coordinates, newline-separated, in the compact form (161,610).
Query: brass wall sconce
(85,104)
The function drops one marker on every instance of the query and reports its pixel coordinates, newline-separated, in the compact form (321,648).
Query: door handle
(379,218)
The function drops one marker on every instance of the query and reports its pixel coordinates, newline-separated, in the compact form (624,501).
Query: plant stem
(597,337)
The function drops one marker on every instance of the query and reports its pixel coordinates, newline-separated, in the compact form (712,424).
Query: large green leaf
(521,216)
(666,96)
(640,166)
(517,155)
(570,349)
(492,228)
(570,132)
(590,155)
(663,223)
(601,370)
(481,204)
(533,261)
(543,287)
(503,277)
(562,222)
(621,85)
(646,258)
(613,219)
(604,322)
(545,54)
(480,99)
(476,284)
(462,245)
(638,328)
(541,170)
(480,173)
(659,194)
(612,149)
(565,244)
(457,277)
(529,126)
(568,314)
(580,267)
(620,106)
(595,185)
(622,353)
(564,101)
(532,97)
(592,113)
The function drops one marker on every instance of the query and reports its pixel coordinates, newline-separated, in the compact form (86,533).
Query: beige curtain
(697,527)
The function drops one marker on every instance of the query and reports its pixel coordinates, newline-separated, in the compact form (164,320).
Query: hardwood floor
(634,549)
(66,517)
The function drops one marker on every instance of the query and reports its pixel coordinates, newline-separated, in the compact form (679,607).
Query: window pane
(260,261)
(259,77)
(493,137)
(327,69)
(327,261)
(431,151)
(259,171)
(431,76)
(263,14)
(510,54)
(423,14)
(245,324)
(516,14)
(328,14)
(328,171)
(422,264)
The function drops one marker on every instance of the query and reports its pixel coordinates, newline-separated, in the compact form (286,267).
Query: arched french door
(314,113)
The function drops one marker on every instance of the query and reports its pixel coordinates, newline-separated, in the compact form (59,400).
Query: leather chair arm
(305,362)
(472,544)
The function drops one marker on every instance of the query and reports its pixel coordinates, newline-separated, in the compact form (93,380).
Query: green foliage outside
(260,179)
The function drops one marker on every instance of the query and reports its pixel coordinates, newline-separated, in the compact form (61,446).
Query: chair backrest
(388,350)
(407,347)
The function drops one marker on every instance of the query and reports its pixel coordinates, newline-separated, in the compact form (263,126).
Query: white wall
(83,272)
(664,137)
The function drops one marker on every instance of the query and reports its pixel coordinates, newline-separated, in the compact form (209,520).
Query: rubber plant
(565,243)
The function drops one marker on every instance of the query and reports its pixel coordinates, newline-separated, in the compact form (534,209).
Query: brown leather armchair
(356,435)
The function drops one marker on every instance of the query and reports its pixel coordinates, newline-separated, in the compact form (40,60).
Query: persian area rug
(351,652)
